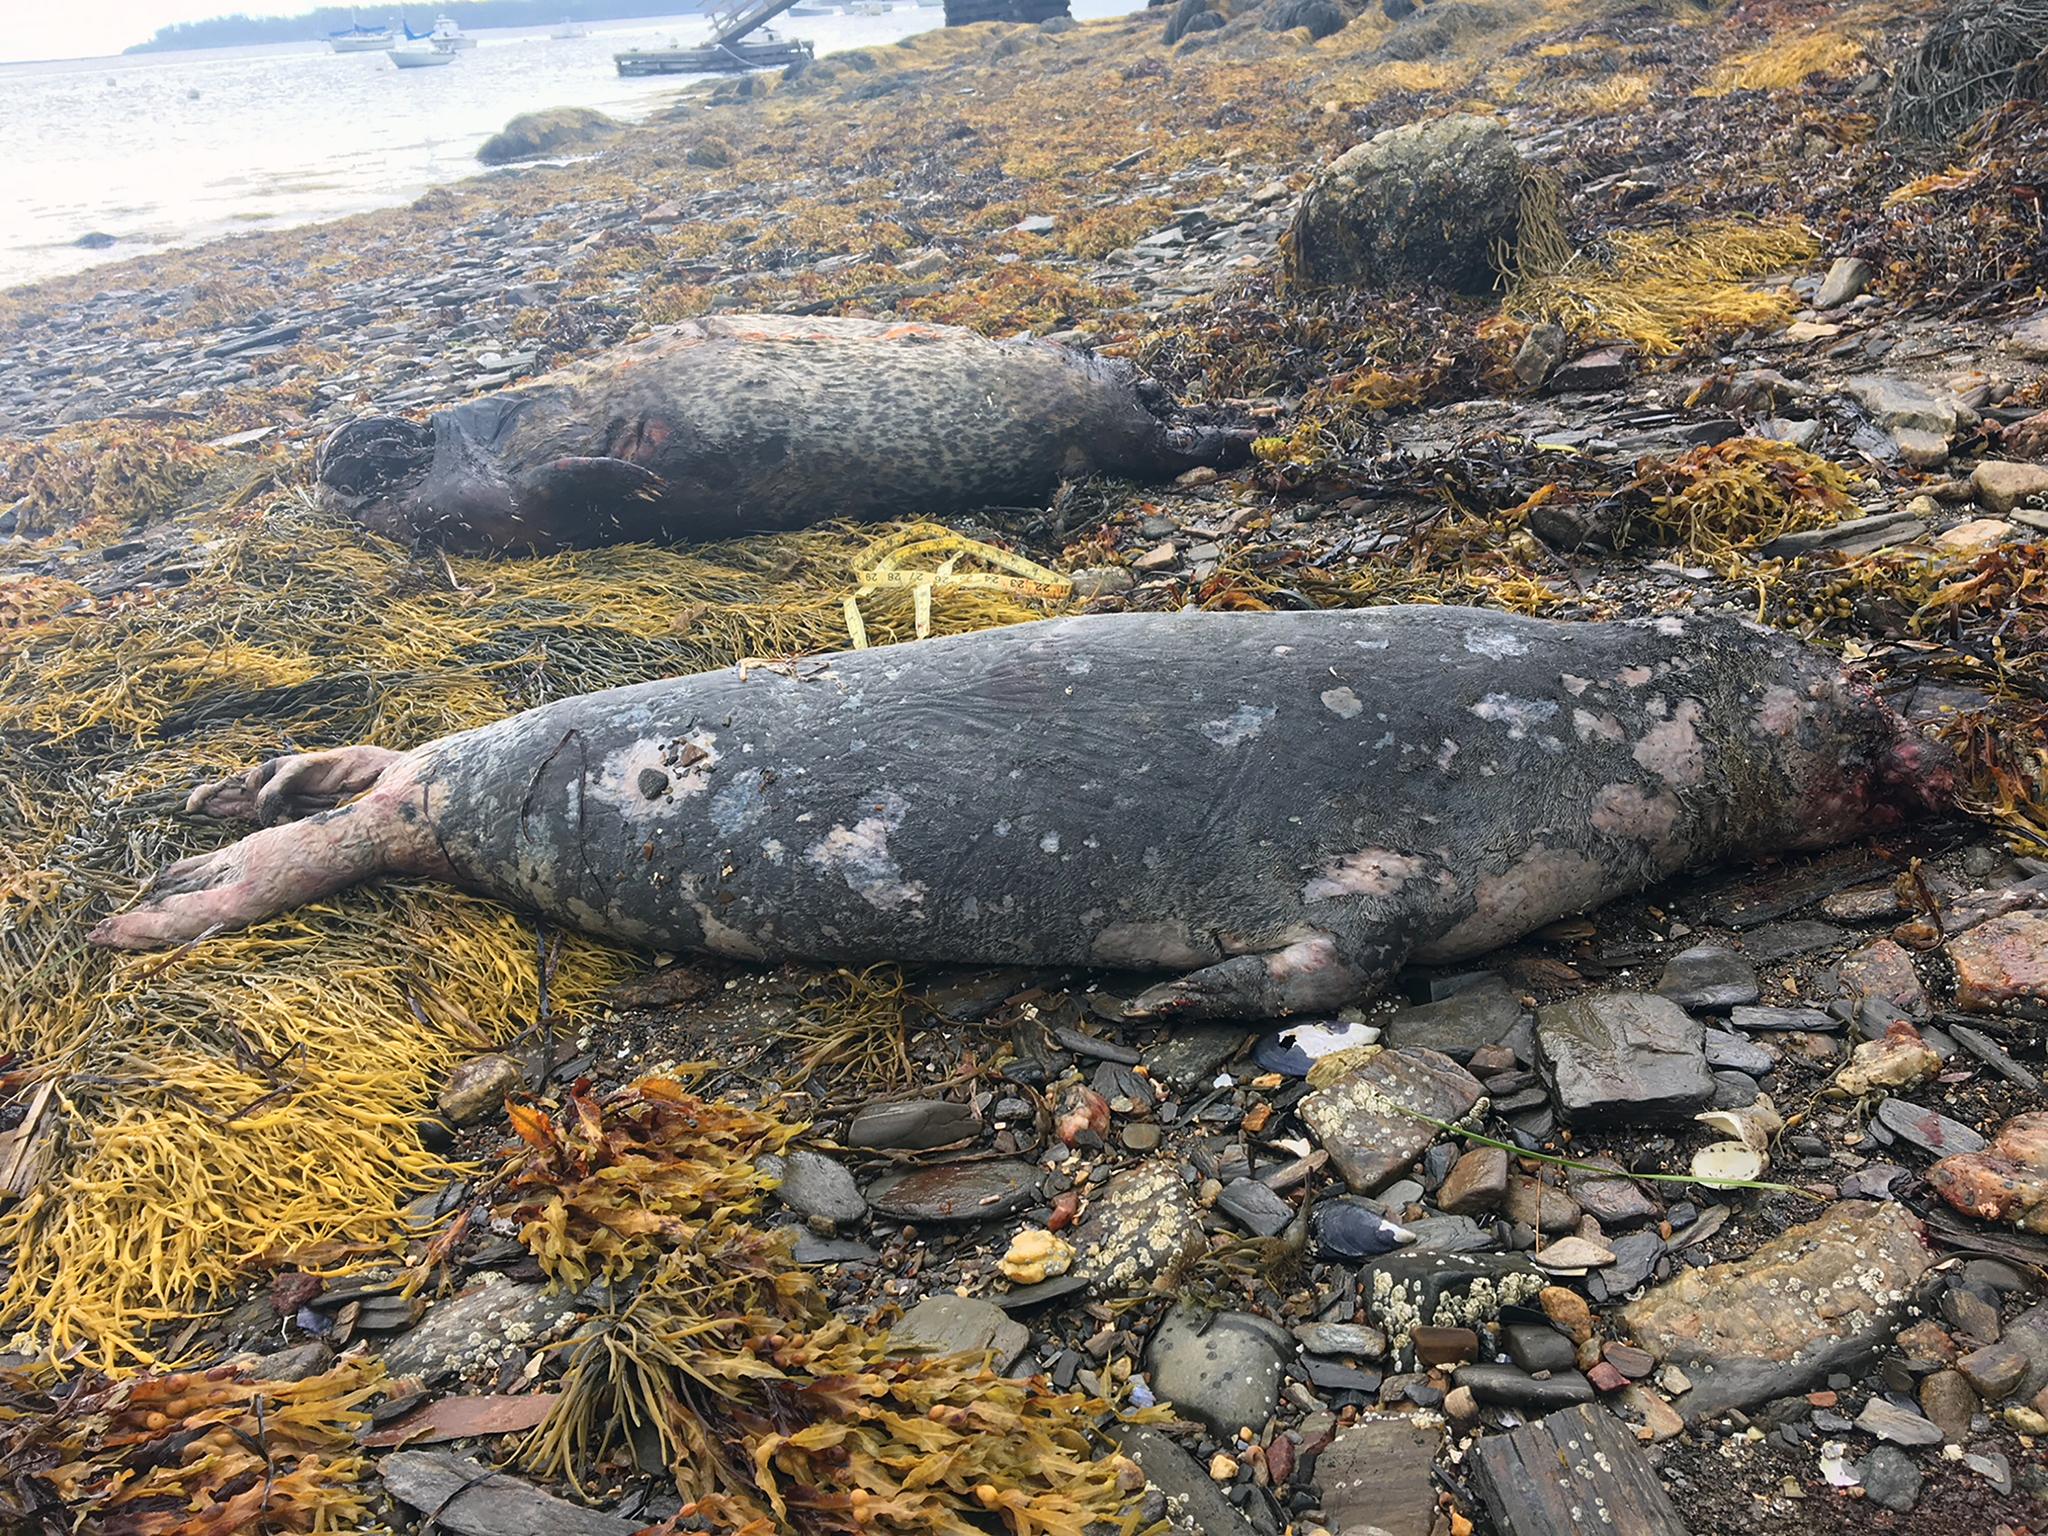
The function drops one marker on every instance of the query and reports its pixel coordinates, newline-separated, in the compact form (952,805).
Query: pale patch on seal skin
(1500,644)
(1050,843)
(1672,748)
(1444,755)
(1635,677)
(1368,872)
(860,856)
(773,851)
(1520,716)
(738,804)
(1778,715)
(1142,946)
(1574,685)
(1247,722)
(640,777)
(1623,810)
(1541,886)
(1589,725)
(1670,625)
(1342,703)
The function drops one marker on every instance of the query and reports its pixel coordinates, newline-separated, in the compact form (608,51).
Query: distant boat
(819,10)
(420,58)
(761,49)
(569,31)
(446,37)
(357,38)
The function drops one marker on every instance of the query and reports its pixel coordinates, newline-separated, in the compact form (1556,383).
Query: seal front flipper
(1316,973)
(604,500)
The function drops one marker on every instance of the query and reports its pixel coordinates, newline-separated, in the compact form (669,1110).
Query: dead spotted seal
(1283,807)
(757,423)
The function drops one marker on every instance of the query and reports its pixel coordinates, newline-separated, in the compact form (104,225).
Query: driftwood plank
(470,1499)
(1578,1470)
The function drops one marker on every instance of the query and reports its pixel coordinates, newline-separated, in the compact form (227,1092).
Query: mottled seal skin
(757,423)
(1281,807)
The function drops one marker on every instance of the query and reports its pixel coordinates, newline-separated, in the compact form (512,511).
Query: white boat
(446,37)
(569,31)
(420,58)
(357,38)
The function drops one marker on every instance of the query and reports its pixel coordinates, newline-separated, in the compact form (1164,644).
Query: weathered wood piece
(1578,1470)
(468,1498)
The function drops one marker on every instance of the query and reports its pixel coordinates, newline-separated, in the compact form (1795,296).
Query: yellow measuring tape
(900,566)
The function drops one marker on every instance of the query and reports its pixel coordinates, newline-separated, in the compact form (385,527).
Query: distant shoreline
(314,26)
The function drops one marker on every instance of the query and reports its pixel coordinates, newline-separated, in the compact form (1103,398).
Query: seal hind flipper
(292,787)
(1312,974)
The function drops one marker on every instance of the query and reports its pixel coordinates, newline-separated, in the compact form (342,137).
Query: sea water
(168,149)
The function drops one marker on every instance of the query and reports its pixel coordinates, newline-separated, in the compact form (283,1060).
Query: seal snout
(375,456)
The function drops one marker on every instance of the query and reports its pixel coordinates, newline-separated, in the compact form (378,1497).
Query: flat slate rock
(1254,1207)
(1820,1298)
(1140,1232)
(1781,941)
(1376,1474)
(1811,1020)
(470,1499)
(1195,1506)
(479,1329)
(960,1325)
(1575,1471)
(1359,1118)
(1623,1058)
(955,1192)
(1929,1129)
(1189,1057)
(1709,978)
(1458,1025)
(812,1185)
(912,1124)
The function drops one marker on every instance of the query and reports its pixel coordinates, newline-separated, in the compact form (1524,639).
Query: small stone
(1342,1340)
(1477,1182)
(1709,978)
(1223,1369)
(1950,1402)
(960,1325)
(2006,1180)
(1623,1057)
(478,1088)
(1222,1468)
(1036,224)
(1848,277)
(816,1188)
(1626,1358)
(1573,1255)
(1461,1407)
(1728,1051)
(1141,1136)
(1376,1474)
(1540,353)
(953,1192)
(2002,486)
(2004,960)
(1539,1206)
(1925,1344)
(1509,1387)
(1158,557)
(663,213)
(1359,1118)
(1035,1255)
(1605,1378)
(1255,1207)
(1470,1020)
(1535,1347)
(1975,536)
(1636,1255)
(1902,1426)
(1101,581)
(1929,1130)
(1615,1202)
(1444,1346)
(1883,972)
(1140,1232)
(1995,1371)
(1568,1311)
(1890,1479)
(912,1125)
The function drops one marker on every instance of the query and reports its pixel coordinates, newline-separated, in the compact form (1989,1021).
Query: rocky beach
(1720,1208)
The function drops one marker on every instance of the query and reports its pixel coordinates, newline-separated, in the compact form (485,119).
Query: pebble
(816,1187)
(1477,1182)
(1901,1426)
(1538,1347)
(477,1089)
(1618,1057)
(946,1324)
(951,1192)
(1255,1207)
(1223,1369)
(912,1125)
(1709,978)
(1508,1387)
(1890,1479)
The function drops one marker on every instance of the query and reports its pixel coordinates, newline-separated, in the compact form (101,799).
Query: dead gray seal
(1284,807)
(757,423)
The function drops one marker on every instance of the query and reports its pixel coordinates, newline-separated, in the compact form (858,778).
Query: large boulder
(552,132)
(1428,203)
(1323,18)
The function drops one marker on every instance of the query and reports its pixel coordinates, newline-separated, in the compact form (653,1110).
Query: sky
(31,29)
